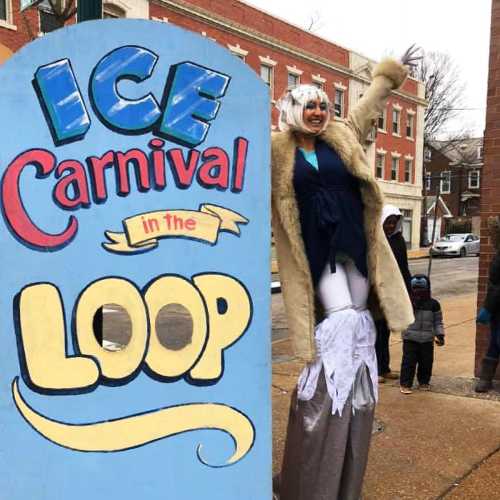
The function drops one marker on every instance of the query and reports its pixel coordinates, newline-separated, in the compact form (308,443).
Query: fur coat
(346,138)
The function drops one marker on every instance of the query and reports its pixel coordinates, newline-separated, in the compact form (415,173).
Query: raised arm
(387,76)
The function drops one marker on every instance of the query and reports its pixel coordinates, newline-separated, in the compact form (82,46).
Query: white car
(459,245)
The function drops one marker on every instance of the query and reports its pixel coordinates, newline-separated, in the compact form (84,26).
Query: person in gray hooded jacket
(419,337)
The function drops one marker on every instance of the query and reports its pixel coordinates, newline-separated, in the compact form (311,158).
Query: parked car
(459,245)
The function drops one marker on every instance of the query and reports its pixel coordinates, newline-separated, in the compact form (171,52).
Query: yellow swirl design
(138,430)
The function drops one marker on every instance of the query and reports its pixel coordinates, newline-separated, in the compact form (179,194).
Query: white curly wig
(291,107)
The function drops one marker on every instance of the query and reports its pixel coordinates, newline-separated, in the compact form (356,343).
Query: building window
(394,168)
(110,11)
(446,182)
(379,165)
(237,51)
(4,10)
(474,176)
(338,105)
(408,170)
(406,228)
(480,152)
(396,114)
(293,80)
(410,120)
(382,120)
(266,73)
(428,182)
(48,20)
(319,85)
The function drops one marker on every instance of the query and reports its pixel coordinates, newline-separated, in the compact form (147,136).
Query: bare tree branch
(444,92)
(315,22)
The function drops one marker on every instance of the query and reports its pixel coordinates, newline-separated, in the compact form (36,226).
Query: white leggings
(347,288)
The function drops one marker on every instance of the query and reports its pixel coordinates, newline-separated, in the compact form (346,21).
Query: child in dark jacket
(419,337)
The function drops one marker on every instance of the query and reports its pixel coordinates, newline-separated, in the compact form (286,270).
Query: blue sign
(135,359)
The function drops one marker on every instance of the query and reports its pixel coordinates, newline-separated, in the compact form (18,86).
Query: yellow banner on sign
(143,231)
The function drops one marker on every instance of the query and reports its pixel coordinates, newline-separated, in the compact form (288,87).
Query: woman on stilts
(334,260)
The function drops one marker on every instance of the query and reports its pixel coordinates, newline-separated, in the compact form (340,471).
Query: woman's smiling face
(315,114)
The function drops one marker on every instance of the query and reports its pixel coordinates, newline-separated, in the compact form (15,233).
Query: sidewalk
(440,444)
(418,253)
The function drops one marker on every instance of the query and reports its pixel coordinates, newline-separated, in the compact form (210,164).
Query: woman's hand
(411,56)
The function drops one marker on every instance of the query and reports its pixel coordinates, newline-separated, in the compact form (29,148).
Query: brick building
(490,185)
(283,55)
(459,164)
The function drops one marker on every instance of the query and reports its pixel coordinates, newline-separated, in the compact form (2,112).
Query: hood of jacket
(389,210)
(420,288)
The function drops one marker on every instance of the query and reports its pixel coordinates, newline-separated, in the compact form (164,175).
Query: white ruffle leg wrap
(344,341)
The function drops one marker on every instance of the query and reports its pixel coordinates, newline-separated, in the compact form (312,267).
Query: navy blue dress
(331,211)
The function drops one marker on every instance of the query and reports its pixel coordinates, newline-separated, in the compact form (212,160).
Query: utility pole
(89,10)
(438,194)
(424,232)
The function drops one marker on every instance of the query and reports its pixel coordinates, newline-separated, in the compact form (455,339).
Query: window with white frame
(394,168)
(406,226)
(396,116)
(338,104)
(379,165)
(480,152)
(237,51)
(428,182)
(408,170)
(382,119)
(410,125)
(446,182)
(266,73)
(474,179)
(293,80)
(318,81)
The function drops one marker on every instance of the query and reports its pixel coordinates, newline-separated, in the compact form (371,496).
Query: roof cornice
(230,26)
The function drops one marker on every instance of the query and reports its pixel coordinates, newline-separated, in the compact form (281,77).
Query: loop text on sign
(219,305)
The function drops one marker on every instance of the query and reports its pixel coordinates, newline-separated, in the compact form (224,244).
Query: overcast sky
(376,28)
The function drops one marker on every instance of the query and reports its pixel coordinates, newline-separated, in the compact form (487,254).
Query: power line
(460,109)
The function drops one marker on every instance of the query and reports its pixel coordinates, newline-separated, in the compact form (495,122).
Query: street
(449,277)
